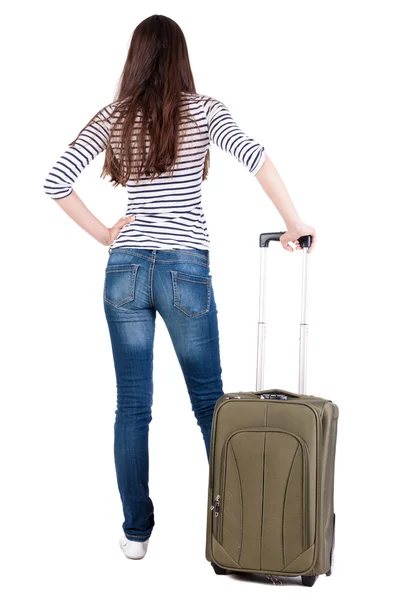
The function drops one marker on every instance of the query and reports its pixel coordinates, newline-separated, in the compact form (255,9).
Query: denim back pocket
(191,293)
(120,284)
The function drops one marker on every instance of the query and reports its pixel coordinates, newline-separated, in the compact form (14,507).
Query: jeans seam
(150,281)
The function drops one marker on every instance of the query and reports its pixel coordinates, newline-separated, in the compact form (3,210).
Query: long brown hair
(156,71)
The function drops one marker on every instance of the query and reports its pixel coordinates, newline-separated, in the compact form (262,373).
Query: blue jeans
(176,283)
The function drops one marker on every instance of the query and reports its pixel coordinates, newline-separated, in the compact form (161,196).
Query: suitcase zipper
(219,514)
(215,507)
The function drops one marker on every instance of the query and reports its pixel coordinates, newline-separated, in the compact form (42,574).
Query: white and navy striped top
(168,210)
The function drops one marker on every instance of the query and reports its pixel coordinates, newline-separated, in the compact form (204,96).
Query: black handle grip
(305,241)
(266,238)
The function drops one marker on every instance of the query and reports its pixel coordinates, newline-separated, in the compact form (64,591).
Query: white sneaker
(133,549)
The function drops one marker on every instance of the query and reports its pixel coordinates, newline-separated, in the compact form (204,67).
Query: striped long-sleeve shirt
(168,210)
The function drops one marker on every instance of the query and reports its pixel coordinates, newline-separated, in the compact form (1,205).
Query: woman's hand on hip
(114,231)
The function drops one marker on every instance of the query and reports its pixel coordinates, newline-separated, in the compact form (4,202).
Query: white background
(313,82)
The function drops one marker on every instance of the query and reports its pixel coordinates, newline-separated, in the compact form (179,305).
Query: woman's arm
(274,187)
(58,185)
(80,213)
(227,135)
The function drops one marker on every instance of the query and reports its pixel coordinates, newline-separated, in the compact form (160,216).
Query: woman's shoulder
(205,100)
(198,96)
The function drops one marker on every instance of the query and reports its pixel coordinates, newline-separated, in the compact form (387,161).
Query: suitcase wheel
(219,570)
(309,580)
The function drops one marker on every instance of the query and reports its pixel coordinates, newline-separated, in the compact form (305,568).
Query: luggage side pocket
(263,497)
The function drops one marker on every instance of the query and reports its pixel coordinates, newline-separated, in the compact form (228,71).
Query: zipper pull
(215,505)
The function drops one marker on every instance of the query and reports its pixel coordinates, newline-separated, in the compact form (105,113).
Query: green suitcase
(271,473)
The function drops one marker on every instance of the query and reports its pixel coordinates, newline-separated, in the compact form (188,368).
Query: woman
(156,138)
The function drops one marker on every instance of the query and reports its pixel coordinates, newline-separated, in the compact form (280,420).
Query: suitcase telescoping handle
(264,241)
